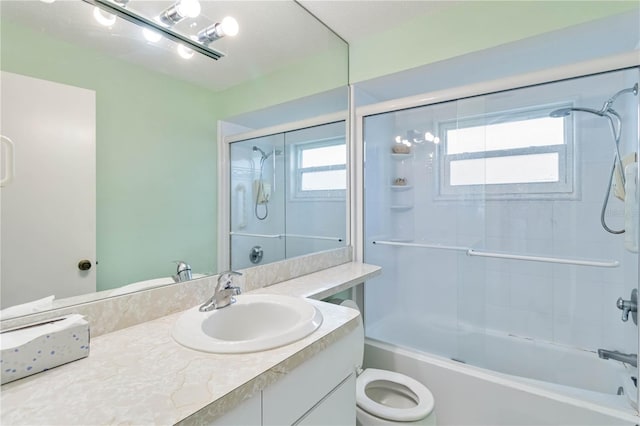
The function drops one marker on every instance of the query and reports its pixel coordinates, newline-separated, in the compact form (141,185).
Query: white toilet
(387,398)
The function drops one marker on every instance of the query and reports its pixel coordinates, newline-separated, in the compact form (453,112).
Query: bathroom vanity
(140,375)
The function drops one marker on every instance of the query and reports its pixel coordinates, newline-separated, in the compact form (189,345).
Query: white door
(48,209)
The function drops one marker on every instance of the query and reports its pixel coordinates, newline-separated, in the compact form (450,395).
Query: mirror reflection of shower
(615,124)
(261,188)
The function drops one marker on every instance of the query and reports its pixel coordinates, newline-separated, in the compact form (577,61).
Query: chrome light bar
(131,16)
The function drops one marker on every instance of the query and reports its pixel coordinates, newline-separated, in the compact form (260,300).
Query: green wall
(468,27)
(156,157)
(316,73)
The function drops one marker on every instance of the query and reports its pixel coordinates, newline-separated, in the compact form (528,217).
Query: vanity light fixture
(180,10)
(151,36)
(429,137)
(103,18)
(184,8)
(417,137)
(184,52)
(228,27)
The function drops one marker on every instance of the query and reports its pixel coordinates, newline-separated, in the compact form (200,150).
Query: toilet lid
(425,399)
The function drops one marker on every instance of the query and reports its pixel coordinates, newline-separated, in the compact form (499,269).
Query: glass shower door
(257,201)
(487,216)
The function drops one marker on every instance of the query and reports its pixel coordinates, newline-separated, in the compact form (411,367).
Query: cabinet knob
(84,265)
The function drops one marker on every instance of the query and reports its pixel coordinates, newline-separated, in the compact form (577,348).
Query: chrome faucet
(629,306)
(631,359)
(223,294)
(183,272)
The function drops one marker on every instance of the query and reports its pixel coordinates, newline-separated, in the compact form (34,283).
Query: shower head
(264,154)
(256,149)
(564,112)
(611,100)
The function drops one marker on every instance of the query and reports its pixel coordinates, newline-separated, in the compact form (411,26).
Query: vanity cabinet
(321,391)
(248,413)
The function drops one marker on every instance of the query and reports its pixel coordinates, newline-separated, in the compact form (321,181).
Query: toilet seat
(424,405)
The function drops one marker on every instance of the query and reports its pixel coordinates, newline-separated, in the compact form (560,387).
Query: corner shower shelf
(401,207)
(401,187)
(401,156)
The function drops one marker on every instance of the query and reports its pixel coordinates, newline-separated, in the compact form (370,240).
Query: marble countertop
(140,375)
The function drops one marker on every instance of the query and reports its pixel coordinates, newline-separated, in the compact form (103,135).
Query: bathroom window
(514,154)
(320,169)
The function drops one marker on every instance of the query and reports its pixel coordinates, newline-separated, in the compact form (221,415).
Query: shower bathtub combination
(506,222)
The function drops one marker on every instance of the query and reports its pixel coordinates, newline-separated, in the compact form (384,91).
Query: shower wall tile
(498,316)
(539,325)
(498,289)
(527,221)
(531,293)
(574,332)
(576,223)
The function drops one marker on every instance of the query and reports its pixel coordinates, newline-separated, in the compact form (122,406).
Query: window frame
(297,149)
(564,188)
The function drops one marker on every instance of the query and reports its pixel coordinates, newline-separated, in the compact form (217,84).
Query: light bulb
(104,18)
(229,26)
(151,36)
(188,8)
(428,137)
(436,140)
(184,52)
(398,139)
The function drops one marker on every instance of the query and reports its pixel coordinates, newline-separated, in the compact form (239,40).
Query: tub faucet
(631,359)
(183,272)
(223,294)
(629,306)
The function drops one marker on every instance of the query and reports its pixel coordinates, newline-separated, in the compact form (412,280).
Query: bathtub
(498,393)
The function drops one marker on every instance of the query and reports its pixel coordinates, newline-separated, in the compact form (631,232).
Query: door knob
(84,265)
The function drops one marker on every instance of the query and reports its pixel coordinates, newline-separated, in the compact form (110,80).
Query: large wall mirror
(110,137)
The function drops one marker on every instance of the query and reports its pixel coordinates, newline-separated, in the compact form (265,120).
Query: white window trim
(296,193)
(565,188)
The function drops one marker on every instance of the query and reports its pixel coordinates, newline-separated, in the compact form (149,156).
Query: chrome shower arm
(607,105)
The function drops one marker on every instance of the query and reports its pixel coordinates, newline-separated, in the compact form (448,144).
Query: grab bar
(498,255)
(244,234)
(314,237)
(433,246)
(566,261)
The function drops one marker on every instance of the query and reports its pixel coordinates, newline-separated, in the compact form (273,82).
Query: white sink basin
(254,323)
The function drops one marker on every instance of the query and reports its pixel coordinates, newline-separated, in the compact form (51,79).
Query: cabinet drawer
(338,409)
(291,397)
(248,413)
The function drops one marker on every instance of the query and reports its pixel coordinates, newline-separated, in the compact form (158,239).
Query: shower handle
(627,306)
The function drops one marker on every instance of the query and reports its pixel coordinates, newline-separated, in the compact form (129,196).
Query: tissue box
(38,347)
